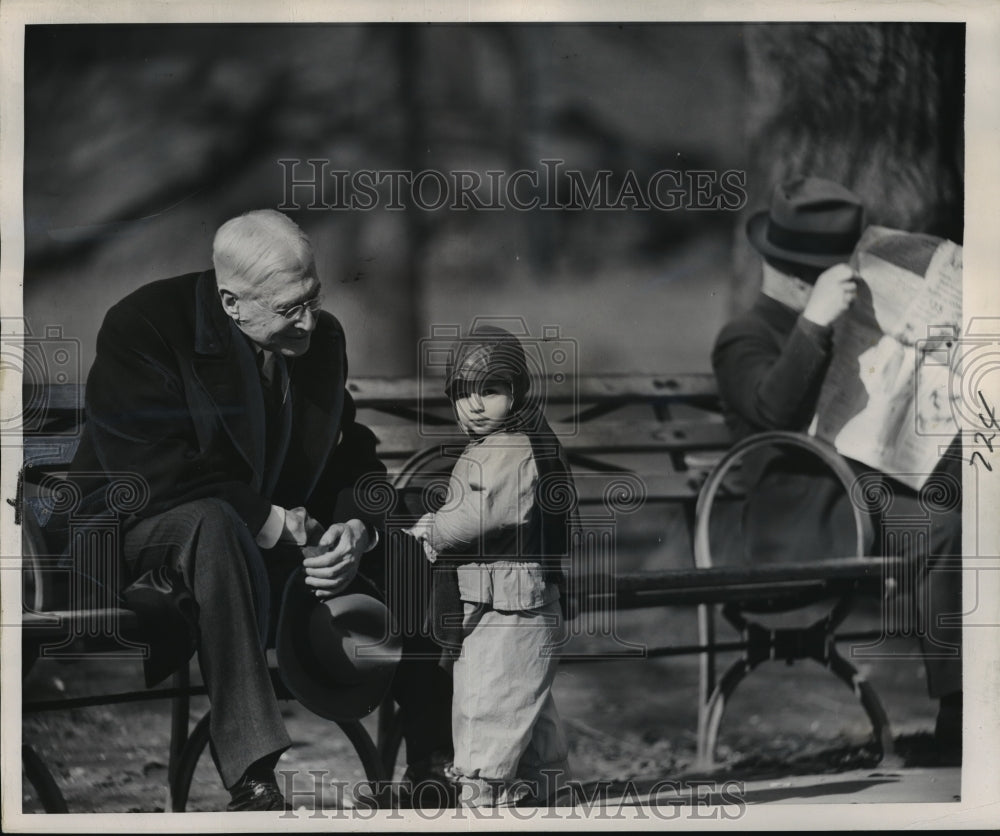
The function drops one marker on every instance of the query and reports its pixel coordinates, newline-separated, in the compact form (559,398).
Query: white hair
(258,246)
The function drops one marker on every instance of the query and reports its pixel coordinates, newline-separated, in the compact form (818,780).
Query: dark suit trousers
(223,566)
(928,600)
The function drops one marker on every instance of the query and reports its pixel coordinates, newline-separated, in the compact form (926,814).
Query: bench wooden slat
(670,486)
(590,389)
(722,584)
(844,567)
(55,624)
(402,440)
(618,436)
(664,486)
(410,391)
(758,594)
(50,449)
(60,397)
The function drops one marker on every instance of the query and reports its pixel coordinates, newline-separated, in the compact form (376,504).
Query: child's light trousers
(509,742)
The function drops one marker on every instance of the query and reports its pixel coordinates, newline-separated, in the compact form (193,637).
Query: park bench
(633,441)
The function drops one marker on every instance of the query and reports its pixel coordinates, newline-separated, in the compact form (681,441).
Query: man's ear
(230,303)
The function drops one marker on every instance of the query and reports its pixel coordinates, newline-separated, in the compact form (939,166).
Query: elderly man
(770,363)
(225,391)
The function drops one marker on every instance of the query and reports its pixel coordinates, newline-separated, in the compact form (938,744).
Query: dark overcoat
(174,397)
(770,364)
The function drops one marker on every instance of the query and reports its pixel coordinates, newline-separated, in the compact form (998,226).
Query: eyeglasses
(293,312)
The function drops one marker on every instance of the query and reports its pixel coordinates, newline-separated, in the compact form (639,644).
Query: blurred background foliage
(141,139)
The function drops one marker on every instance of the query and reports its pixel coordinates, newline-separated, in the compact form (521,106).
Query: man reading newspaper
(831,346)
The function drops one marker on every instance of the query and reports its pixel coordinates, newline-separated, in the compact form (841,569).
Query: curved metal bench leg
(390,741)
(187,762)
(41,779)
(710,714)
(386,719)
(365,747)
(863,690)
(707,659)
(180,718)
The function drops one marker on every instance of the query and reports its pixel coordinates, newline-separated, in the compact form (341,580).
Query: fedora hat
(812,222)
(337,657)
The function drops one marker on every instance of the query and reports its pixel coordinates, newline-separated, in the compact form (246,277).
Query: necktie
(267,368)
(272,382)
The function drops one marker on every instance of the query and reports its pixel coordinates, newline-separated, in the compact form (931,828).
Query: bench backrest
(665,428)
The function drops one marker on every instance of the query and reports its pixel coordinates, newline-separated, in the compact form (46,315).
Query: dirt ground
(629,720)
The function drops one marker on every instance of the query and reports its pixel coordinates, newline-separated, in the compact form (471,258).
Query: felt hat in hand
(812,222)
(337,657)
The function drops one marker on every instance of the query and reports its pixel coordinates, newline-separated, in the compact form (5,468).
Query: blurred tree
(878,107)
(138,137)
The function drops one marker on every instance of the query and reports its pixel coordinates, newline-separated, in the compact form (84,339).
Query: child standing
(507,539)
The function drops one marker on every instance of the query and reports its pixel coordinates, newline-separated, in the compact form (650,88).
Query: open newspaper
(885,400)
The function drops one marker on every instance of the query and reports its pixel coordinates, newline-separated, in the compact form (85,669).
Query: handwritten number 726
(989,424)
(992,423)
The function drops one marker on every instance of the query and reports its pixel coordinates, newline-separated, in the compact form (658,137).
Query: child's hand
(429,552)
(421,530)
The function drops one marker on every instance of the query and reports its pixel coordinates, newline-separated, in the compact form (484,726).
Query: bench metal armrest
(822,450)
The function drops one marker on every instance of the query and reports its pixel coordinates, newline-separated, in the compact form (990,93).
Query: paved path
(861,786)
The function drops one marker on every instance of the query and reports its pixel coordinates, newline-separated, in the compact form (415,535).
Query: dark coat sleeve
(353,484)
(769,385)
(140,420)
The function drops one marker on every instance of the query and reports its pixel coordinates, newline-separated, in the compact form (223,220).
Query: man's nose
(306,321)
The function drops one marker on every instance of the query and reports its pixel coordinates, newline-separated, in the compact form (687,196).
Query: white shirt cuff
(270,532)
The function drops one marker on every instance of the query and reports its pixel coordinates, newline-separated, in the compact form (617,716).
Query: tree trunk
(877,107)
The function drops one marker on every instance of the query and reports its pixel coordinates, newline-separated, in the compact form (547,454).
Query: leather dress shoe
(256,794)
